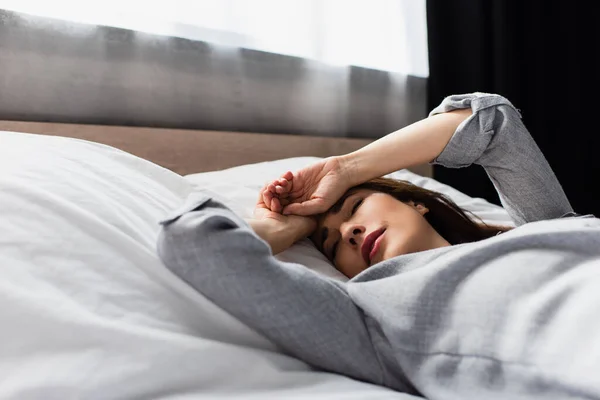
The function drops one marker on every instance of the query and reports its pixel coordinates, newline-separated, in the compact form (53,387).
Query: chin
(390,253)
(384,257)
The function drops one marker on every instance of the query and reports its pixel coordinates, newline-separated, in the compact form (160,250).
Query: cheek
(407,234)
(405,219)
(349,262)
(346,257)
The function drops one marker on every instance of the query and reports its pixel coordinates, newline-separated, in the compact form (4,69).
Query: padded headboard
(191,151)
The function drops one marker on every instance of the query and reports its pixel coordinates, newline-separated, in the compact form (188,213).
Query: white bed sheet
(89,312)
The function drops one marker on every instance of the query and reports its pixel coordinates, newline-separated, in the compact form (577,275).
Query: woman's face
(370,227)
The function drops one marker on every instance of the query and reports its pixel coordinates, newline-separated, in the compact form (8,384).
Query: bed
(88,310)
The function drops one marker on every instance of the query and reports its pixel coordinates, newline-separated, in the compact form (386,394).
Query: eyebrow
(335,209)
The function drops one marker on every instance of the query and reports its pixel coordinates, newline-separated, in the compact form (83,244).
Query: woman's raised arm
(477,128)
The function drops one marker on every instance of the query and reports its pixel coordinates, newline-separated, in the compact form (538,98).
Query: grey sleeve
(496,138)
(309,316)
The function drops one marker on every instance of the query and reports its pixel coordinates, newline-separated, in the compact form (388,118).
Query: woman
(428,311)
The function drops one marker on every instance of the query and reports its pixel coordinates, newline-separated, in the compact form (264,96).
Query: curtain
(319,67)
(542,56)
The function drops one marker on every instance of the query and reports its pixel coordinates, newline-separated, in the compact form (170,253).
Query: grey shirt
(514,316)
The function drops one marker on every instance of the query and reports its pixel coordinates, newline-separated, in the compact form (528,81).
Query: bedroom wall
(58,71)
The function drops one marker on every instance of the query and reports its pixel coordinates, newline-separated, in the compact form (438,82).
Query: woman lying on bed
(439,304)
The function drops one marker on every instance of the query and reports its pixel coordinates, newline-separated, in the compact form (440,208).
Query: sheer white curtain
(354,68)
(387,35)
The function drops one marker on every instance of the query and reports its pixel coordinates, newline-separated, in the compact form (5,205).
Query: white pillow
(238,188)
(88,310)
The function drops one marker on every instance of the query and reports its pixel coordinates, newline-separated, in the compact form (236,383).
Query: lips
(368,244)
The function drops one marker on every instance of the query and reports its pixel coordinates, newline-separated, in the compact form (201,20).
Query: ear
(420,207)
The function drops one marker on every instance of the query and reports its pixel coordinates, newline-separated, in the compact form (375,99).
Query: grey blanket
(516,316)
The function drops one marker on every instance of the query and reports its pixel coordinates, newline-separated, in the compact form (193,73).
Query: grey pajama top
(516,316)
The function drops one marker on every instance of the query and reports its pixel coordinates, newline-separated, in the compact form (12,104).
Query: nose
(352,233)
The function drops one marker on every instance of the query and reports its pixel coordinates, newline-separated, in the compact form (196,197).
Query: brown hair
(452,222)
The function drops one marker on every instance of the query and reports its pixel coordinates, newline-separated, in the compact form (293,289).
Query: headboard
(191,151)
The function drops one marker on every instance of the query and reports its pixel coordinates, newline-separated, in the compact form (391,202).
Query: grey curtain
(61,71)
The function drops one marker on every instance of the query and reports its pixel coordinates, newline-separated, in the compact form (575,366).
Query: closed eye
(336,244)
(356,205)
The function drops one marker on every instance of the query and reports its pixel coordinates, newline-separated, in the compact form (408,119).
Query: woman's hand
(280,231)
(309,191)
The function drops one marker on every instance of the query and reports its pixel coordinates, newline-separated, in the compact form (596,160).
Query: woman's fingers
(273,202)
(276,205)
(282,186)
(282,182)
(279,187)
(268,194)
(275,193)
(267,197)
